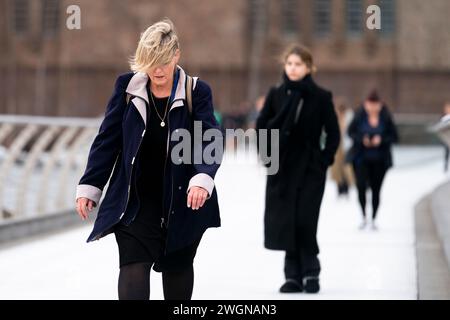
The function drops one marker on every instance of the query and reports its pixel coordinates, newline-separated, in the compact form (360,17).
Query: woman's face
(372,107)
(447,108)
(162,75)
(295,68)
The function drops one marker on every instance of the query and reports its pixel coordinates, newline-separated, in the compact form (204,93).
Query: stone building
(47,69)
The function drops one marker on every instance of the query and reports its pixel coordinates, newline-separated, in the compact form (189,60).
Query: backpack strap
(128,98)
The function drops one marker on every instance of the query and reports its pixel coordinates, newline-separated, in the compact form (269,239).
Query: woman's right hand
(366,141)
(84,206)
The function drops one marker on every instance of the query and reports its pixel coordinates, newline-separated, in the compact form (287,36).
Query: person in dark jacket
(158,205)
(445,118)
(301,111)
(373,132)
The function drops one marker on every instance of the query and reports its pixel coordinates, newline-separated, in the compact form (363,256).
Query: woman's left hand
(376,140)
(196,197)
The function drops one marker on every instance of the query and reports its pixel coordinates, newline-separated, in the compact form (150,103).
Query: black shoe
(311,284)
(291,286)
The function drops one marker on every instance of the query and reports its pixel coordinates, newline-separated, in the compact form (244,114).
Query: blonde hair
(302,52)
(157,46)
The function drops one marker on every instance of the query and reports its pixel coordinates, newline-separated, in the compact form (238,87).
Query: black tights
(134,282)
(369,174)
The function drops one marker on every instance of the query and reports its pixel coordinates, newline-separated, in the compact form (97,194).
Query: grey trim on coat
(90,192)
(137,87)
(202,180)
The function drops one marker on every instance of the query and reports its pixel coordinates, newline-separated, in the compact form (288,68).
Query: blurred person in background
(255,111)
(341,171)
(373,132)
(157,210)
(235,119)
(253,116)
(301,110)
(446,118)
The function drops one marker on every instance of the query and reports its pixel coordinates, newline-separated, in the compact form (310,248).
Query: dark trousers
(369,174)
(303,261)
(300,264)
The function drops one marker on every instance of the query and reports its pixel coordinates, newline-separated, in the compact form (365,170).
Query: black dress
(144,239)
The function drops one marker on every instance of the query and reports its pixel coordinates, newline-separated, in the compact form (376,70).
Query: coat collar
(137,87)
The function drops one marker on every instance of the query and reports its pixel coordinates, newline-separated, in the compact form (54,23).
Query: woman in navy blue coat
(373,132)
(158,203)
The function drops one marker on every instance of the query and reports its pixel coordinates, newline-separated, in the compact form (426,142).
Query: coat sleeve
(202,110)
(390,135)
(105,147)
(331,126)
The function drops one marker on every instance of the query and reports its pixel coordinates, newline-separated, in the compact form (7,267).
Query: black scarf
(295,90)
(302,86)
(285,121)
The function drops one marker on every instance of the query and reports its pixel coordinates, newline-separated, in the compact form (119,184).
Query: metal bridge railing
(41,161)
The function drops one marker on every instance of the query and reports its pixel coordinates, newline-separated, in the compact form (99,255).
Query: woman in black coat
(373,132)
(301,111)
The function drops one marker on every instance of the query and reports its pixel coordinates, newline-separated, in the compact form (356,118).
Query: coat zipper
(164,176)
(171,175)
(132,163)
(131,174)
(171,178)
(171,172)
(171,185)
